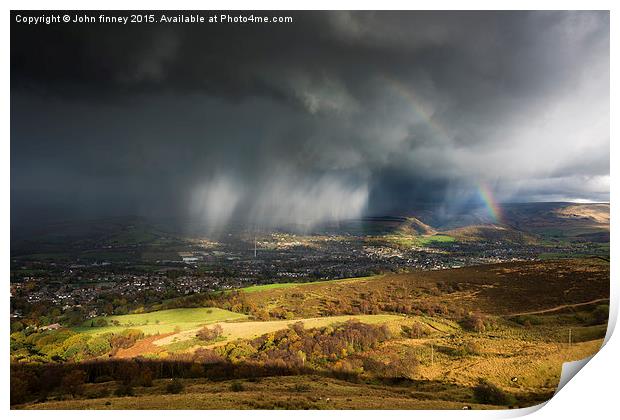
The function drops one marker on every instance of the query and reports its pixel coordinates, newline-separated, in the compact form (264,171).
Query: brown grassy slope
(490,233)
(414,226)
(498,289)
(597,213)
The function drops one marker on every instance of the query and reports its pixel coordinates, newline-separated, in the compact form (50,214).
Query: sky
(334,116)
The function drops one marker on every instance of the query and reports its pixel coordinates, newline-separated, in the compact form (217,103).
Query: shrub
(209,334)
(126,338)
(124,390)
(99,322)
(476,322)
(98,345)
(416,330)
(237,387)
(175,387)
(487,393)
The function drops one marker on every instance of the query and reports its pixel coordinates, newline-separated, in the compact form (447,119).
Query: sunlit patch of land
(159,322)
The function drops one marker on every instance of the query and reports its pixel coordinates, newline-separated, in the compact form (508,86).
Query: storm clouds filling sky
(334,116)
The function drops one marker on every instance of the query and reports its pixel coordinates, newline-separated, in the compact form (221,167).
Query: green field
(425,240)
(271,286)
(409,241)
(261,287)
(161,321)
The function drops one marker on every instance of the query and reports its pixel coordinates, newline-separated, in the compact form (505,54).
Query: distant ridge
(414,226)
(491,232)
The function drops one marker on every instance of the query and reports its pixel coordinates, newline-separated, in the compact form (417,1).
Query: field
(161,322)
(245,330)
(271,286)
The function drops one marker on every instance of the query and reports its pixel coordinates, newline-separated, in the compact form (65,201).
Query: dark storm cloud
(332,116)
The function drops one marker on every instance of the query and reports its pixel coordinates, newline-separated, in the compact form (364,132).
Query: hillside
(414,226)
(491,233)
(596,213)
(415,340)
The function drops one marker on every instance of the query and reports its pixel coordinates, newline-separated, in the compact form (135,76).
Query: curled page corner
(569,370)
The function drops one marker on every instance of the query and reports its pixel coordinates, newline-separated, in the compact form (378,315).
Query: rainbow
(492,206)
(409,95)
(417,105)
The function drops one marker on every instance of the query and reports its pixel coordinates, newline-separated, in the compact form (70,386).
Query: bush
(476,322)
(209,334)
(301,388)
(126,338)
(98,345)
(237,387)
(124,390)
(487,393)
(416,330)
(175,387)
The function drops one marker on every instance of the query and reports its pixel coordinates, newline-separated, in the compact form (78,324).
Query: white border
(591,395)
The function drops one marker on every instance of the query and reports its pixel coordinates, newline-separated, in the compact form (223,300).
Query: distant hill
(596,213)
(414,226)
(560,220)
(491,233)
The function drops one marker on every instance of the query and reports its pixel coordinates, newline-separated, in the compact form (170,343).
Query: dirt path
(557,308)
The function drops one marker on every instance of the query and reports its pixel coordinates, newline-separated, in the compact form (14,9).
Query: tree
(19,389)
(475,322)
(16,326)
(209,334)
(73,383)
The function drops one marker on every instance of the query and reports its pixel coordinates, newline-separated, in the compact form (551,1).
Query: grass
(425,240)
(161,322)
(271,286)
(409,241)
(261,287)
(236,330)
